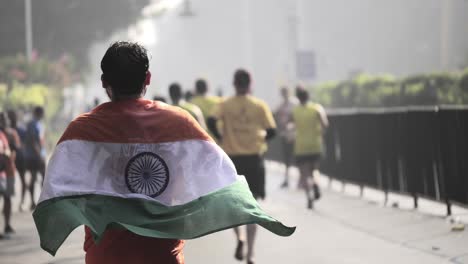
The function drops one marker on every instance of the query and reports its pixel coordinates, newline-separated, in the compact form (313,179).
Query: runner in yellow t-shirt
(310,122)
(247,124)
(207,103)
(175,92)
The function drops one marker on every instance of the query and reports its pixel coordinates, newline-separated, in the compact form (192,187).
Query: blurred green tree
(366,90)
(65,27)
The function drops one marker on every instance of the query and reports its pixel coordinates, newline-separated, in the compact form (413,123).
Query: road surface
(342,229)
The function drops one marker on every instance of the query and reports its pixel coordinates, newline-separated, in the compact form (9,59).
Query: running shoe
(239,255)
(284,185)
(9,230)
(317,193)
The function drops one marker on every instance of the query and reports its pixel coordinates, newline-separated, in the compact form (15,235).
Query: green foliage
(27,96)
(385,90)
(324,92)
(463,86)
(54,73)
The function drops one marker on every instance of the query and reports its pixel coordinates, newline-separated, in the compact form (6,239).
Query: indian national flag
(146,167)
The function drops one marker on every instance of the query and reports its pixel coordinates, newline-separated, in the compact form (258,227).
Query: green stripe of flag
(228,207)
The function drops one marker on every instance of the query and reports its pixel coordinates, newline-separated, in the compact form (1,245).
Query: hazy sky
(399,37)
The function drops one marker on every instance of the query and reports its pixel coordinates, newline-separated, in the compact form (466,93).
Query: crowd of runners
(241,124)
(22,153)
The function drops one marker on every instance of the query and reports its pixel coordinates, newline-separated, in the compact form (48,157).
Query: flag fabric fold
(146,167)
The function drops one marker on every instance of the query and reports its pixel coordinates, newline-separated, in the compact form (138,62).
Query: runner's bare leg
(22,175)
(305,172)
(239,254)
(32,186)
(251,234)
(7,210)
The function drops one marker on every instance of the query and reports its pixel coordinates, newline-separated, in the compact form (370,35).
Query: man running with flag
(140,175)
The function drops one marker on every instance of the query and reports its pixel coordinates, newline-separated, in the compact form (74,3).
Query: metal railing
(420,151)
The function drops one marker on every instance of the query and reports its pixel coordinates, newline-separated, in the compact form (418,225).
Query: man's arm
(268,123)
(270,133)
(38,138)
(211,123)
(200,118)
(323,117)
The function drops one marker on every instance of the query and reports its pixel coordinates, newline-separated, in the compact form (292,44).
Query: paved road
(342,229)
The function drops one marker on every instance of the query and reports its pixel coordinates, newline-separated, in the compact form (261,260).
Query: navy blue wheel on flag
(147,173)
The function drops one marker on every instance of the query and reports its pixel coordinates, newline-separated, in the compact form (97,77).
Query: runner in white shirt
(283,116)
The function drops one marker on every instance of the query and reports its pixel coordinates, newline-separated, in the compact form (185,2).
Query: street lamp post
(293,41)
(28,25)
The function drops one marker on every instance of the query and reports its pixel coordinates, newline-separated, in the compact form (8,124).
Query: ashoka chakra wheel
(147,173)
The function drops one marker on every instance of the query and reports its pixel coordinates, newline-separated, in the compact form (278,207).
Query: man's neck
(242,91)
(126,97)
(177,102)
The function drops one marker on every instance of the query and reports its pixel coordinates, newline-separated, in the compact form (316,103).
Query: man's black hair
(302,94)
(175,91)
(242,79)
(188,96)
(38,111)
(124,67)
(201,87)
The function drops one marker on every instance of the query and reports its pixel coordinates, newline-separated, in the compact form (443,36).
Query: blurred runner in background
(7,173)
(34,150)
(207,103)
(310,122)
(19,155)
(188,96)
(176,94)
(247,124)
(283,116)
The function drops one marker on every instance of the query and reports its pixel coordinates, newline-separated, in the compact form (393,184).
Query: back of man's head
(242,81)
(38,112)
(13,118)
(302,94)
(188,96)
(175,92)
(125,67)
(201,87)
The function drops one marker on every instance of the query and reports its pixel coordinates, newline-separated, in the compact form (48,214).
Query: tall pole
(293,20)
(446,15)
(247,34)
(28,24)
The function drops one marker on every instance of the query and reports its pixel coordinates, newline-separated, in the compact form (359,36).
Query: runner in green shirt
(310,122)
(175,92)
